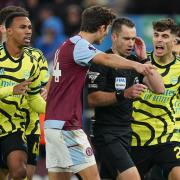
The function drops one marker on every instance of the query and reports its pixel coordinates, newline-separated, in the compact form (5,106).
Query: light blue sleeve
(84,52)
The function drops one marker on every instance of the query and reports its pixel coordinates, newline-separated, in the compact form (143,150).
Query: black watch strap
(145,60)
(120,95)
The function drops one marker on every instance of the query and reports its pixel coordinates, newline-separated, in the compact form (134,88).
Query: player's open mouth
(27,40)
(159,48)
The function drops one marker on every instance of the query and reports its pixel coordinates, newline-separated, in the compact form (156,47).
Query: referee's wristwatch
(120,95)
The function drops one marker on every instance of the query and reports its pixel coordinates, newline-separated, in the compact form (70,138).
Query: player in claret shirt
(67,148)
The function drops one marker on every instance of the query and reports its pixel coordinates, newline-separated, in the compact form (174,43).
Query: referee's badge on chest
(120,83)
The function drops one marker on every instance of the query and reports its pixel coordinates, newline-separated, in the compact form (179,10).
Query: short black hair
(5,12)
(119,22)
(94,17)
(10,18)
(166,24)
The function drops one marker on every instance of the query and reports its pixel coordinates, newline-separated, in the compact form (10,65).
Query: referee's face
(123,40)
(163,43)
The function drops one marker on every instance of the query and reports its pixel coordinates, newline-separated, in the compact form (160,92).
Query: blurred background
(55,20)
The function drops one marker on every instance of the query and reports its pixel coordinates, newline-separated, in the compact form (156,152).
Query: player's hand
(134,91)
(44,93)
(140,48)
(145,69)
(22,88)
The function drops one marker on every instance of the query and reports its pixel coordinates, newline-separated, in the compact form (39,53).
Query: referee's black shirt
(102,78)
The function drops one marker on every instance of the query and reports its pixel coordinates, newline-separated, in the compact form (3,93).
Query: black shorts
(165,156)
(9,143)
(33,148)
(113,154)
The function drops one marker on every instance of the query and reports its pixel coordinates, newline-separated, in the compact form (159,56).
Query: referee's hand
(134,91)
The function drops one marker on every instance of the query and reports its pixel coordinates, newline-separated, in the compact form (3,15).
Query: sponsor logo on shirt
(120,83)
(1,71)
(174,80)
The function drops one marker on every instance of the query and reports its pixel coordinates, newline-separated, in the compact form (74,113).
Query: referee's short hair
(119,22)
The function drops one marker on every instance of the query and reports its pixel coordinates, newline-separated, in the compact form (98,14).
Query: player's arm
(6,91)
(101,98)
(37,103)
(154,82)
(84,53)
(116,61)
(97,88)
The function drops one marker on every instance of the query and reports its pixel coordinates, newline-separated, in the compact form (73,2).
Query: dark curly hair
(94,17)
(166,24)
(5,12)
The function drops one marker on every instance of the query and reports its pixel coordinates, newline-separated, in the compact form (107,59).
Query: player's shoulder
(35,53)
(1,48)
(178,59)
(33,50)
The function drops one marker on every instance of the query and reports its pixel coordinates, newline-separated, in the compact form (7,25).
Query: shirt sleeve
(97,78)
(6,91)
(84,52)
(43,66)
(37,103)
(35,86)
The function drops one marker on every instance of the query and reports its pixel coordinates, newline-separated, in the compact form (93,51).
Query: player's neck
(90,37)
(166,59)
(13,50)
(115,51)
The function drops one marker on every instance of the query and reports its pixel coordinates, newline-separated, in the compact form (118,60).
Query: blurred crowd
(55,20)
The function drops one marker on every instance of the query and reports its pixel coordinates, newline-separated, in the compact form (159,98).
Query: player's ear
(113,36)
(9,31)
(1,28)
(176,41)
(102,28)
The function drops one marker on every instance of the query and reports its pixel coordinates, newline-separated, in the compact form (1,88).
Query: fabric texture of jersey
(154,115)
(102,78)
(32,118)
(12,72)
(64,101)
